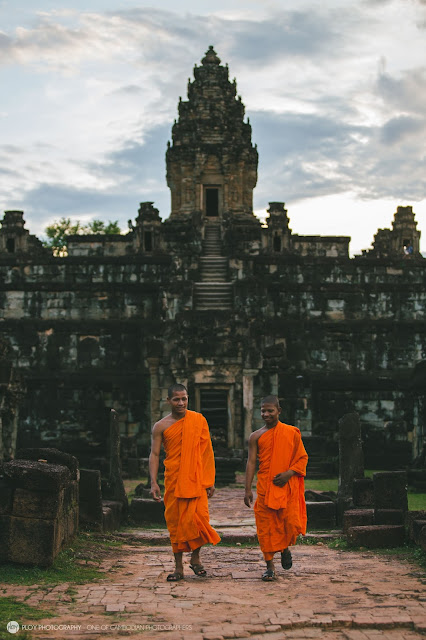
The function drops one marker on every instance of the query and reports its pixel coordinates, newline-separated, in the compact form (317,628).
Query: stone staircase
(213,291)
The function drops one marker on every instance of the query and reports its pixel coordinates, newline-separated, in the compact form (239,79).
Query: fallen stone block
(321,515)
(418,526)
(32,541)
(410,516)
(52,456)
(376,536)
(37,504)
(36,476)
(113,519)
(146,510)
(357,518)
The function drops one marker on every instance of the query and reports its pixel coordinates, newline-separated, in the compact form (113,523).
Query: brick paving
(328,594)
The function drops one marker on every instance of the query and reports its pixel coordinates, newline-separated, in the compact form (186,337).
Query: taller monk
(280,508)
(188,479)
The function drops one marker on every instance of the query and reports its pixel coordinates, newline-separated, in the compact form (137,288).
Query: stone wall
(328,335)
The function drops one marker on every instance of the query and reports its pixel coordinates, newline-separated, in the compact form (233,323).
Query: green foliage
(13,609)
(58,232)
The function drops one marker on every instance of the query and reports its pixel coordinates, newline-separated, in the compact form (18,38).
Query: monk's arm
(154,461)
(250,470)
(281,479)
(298,467)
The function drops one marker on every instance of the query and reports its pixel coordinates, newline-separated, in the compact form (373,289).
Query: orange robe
(189,470)
(280,512)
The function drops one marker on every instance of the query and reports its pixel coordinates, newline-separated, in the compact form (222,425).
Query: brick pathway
(329,594)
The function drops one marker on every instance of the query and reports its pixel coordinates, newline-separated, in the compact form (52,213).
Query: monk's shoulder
(295,431)
(162,424)
(255,435)
(196,416)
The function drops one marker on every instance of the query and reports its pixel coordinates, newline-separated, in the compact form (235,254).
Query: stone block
(146,510)
(6,497)
(4,537)
(357,518)
(115,517)
(36,476)
(32,541)
(389,516)
(52,456)
(321,515)
(90,499)
(71,495)
(390,490)
(37,504)
(376,536)
(418,526)
(421,541)
(410,516)
(363,493)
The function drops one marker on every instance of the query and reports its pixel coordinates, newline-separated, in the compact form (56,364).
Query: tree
(57,233)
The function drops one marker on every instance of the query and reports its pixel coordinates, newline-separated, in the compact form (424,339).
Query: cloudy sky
(335,91)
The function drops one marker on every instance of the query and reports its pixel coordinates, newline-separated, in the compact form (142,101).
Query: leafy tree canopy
(57,233)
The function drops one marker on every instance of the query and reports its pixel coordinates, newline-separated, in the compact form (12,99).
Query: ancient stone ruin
(38,506)
(210,296)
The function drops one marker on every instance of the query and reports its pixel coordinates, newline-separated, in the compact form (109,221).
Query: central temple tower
(211,163)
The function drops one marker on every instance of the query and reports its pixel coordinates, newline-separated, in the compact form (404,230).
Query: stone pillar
(351,460)
(248,375)
(153,365)
(116,485)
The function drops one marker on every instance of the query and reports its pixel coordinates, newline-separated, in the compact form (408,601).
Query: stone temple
(212,297)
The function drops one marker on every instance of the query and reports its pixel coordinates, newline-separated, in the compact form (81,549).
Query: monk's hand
(210,491)
(281,479)
(155,491)
(248,498)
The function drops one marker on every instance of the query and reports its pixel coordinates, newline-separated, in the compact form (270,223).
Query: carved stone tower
(211,164)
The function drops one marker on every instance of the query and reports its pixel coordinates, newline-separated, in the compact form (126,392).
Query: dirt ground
(328,594)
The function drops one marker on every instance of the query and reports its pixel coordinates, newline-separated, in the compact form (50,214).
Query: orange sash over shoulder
(280,511)
(189,470)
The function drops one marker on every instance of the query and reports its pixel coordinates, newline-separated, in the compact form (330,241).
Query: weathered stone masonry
(213,298)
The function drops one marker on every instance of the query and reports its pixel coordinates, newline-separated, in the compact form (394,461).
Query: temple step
(212,295)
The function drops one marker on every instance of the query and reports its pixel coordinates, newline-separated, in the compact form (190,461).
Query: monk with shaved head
(280,508)
(188,479)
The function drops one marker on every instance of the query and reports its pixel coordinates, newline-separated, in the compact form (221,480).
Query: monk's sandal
(199,570)
(175,576)
(269,575)
(286,559)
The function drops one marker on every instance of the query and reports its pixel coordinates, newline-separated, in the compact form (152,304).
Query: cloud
(396,129)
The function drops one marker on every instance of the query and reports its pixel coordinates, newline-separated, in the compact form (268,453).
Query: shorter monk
(188,479)
(280,508)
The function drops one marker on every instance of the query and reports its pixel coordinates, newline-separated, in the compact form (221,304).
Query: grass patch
(79,563)
(409,552)
(13,609)
(417,501)
(322,484)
